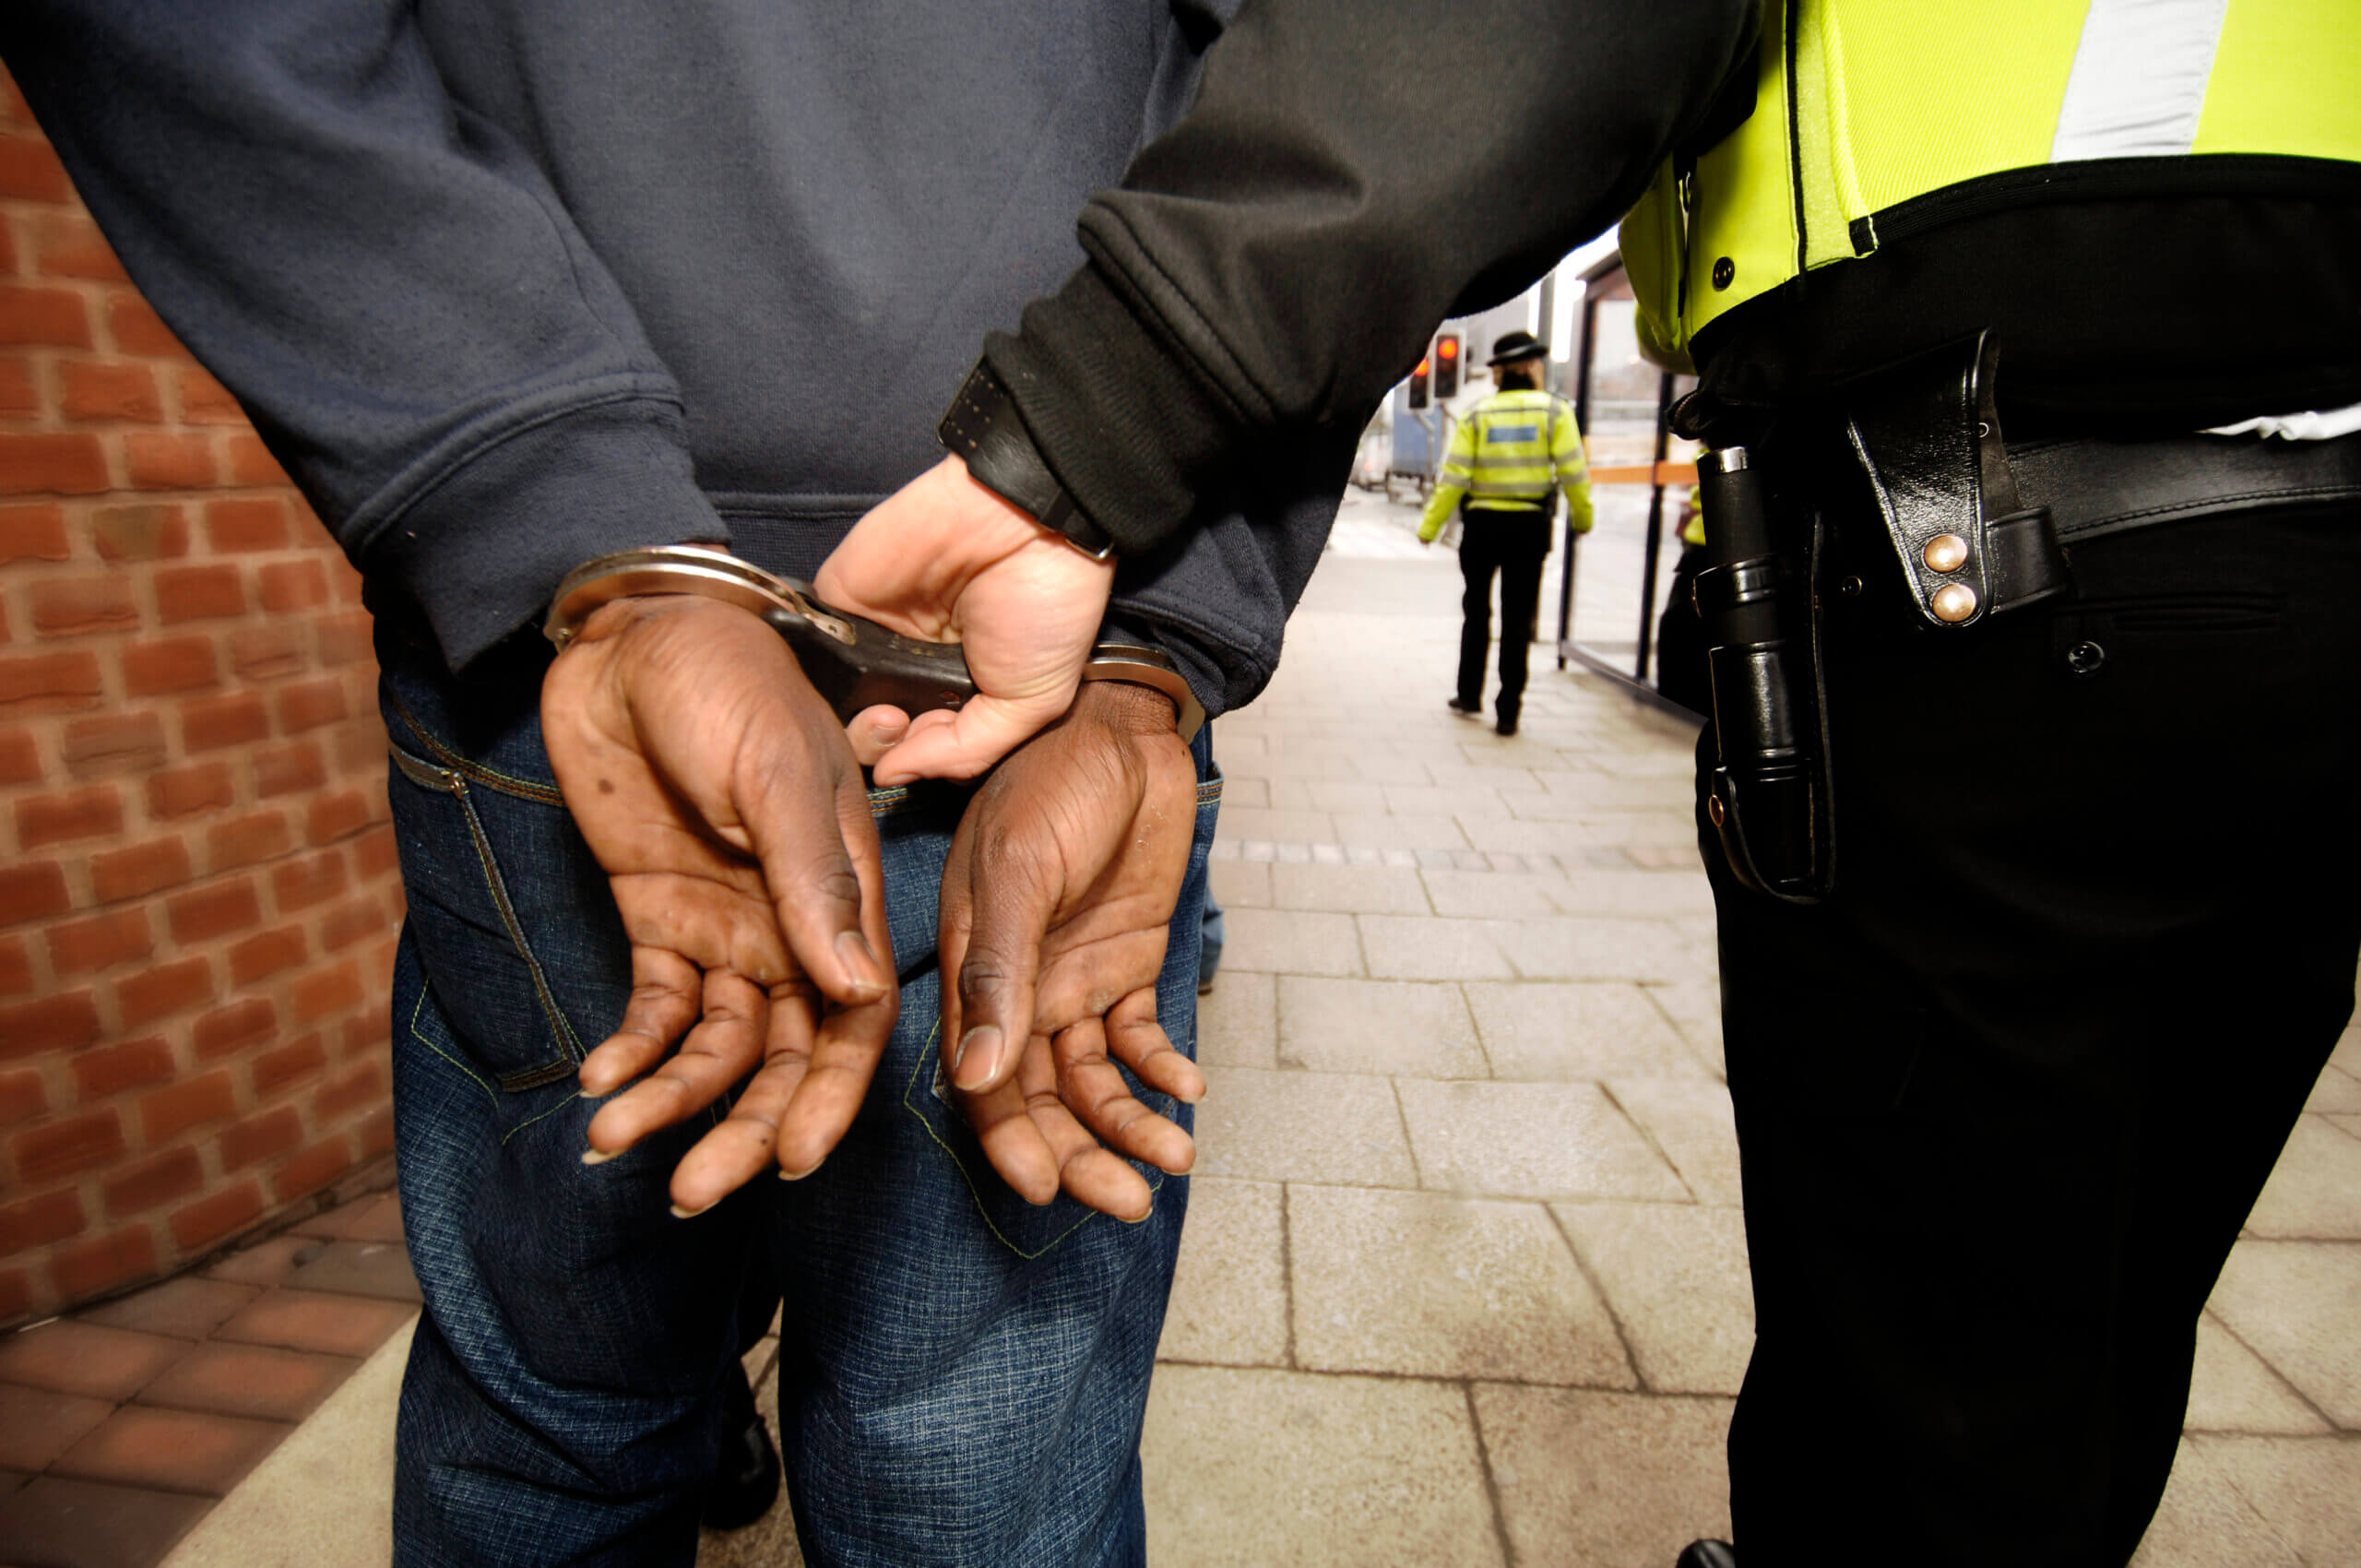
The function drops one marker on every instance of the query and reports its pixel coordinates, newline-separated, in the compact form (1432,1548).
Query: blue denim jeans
(963,1375)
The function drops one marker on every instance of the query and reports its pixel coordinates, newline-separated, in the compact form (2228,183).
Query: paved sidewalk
(1464,1277)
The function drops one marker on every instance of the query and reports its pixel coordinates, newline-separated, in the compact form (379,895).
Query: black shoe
(1707,1554)
(1505,725)
(1470,708)
(745,1479)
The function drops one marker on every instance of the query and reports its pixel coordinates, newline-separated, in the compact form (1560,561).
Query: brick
(110,1069)
(61,1148)
(377,854)
(96,812)
(267,954)
(31,892)
(229,1029)
(20,757)
(255,1381)
(345,638)
(29,170)
(184,792)
(200,593)
(159,459)
(360,748)
(137,329)
(148,530)
(251,462)
(192,1103)
(290,1064)
(86,1268)
(299,884)
(185,1308)
(170,664)
(49,682)
(377,1132)
(291,585)
(206,1221)
(102,390)
(312,1320)
(373,1030)
(265,653)
(88,1359)
(37,1222)
(139,871)
(260,1137)
(43,318)
(223,909)
(163,990)
(351,922)
(243,527)
(35,532)
(22,1098)
(56,463)
(16,966)
(313,1169)
(118,936)
(49,1023)
(69,245)
(153,1182)
(324,992)
(243,841)
(168,1451)
(116,743)
(310,704)
(363,1087)
(65,607)
(211,723)
(204,400)
(341,816)
(19,395)
(17,1294)
(286,769)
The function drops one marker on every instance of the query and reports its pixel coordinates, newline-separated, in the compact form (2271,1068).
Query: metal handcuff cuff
(851,662)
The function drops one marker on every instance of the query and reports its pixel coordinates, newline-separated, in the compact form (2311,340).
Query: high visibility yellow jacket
(1509,454)
(2105,181)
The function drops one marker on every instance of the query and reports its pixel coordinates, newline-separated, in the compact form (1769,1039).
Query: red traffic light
(1447,365)
(1447,346)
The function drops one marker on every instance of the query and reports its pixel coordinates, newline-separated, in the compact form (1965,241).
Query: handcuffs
(852,663)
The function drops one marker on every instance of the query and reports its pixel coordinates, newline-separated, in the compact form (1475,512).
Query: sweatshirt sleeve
(388,285)
(1352,173)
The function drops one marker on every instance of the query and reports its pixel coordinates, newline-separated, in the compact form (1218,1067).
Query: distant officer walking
(1508,460)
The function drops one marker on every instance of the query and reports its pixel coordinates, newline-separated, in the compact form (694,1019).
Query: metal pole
(1656,526)
(1581,428)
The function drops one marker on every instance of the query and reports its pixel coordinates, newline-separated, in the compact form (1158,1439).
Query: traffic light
(1418,385)
(1447,365)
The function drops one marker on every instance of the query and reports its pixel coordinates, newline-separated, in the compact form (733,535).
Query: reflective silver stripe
(2138,80)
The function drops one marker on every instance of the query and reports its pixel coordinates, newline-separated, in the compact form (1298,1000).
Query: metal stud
(1945,553)
(1725,272)
(1955,602)
(1713,809)
(1850,587)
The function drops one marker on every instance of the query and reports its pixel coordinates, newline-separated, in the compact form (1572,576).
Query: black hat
(1511,346)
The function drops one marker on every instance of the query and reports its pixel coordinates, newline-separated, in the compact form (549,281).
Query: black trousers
(1513,544)
(2004,1100)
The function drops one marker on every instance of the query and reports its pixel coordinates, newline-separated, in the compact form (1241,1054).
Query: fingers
(1004,913)
(964,743)
(873,730)
(1039,1147)
(1091,1088)
(826,879)
(666,996)
(726,1044)
(1136,1039)
(843,1060)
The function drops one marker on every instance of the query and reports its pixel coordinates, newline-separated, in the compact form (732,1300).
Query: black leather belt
(2094,488)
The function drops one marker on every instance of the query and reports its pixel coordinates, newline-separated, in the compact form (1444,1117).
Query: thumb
(1011,901)
(963,744)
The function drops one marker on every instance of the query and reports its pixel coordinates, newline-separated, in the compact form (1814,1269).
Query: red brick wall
(197,890)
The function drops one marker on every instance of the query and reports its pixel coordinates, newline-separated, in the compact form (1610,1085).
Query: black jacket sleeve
(1352,172)
(389,285)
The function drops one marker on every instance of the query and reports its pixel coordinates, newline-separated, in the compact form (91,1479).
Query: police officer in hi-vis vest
(1507,461)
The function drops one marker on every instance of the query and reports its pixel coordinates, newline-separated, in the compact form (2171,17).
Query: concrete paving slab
(1302,1127)
(1691,1120)
(1488,895)
(1605,1480)
(2203,1522)
(2233,1389)
(1238,1024)
(1426,1285)
(1385,831)
(1531,1141)
(1248,1469)
(1241,885)
(1292,942)
(1362,1026)
(1541,1029)
(1279,827)
(2337,1091)
(2291,1303)
(55,1523)
(1676,1277)
(2308,1488)
(1695,1009)
(1348,889)
(1579,947)
(2315,1190)
(1430,947)
(1229,1294)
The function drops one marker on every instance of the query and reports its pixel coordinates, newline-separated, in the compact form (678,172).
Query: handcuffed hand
(1056,903)
(718,792)
(947,560)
